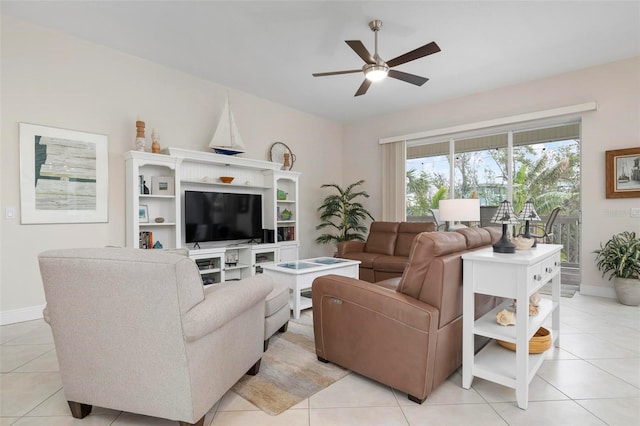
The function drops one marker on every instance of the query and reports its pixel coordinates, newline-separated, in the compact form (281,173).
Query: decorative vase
(627,290)
(155,145)
(287,164)
(141,142)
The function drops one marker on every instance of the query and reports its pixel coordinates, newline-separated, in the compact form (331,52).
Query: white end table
(299,276)
(513,276)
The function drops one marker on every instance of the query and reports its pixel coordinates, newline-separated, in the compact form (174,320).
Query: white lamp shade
(460,210)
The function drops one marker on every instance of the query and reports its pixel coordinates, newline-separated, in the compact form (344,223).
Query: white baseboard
(21,315)
(598,290)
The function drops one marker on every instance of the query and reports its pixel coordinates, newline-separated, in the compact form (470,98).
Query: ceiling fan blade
(362,51)
(363,88)
(323,74)
(409,78)
(420,52)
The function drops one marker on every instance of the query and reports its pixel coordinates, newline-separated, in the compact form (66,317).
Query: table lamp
(506,216)
(529,214)
(459,210)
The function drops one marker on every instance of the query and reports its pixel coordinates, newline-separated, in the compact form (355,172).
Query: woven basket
(540,342)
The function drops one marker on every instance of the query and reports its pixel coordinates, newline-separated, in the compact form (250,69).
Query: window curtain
(394,158)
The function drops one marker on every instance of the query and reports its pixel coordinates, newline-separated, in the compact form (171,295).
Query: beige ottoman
(276,311)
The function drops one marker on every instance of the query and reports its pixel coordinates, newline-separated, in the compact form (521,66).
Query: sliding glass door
(537,164)
(428,178)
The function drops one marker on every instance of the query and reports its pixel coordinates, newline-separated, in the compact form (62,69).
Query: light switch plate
(10,213)
(634,212)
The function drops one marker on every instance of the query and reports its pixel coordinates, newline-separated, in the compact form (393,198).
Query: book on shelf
(287,233)
(146,240)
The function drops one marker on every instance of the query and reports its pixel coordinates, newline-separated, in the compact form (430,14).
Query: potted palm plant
(620,257)
(343,214)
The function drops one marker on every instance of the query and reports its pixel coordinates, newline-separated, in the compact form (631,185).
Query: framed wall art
(63,175)
(162,185)
(143,213)
(623,173)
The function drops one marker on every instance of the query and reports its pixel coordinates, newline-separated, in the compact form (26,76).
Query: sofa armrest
(224,302)
(350,247)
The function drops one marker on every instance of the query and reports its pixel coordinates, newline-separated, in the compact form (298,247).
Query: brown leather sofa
(385,254)
(404,332)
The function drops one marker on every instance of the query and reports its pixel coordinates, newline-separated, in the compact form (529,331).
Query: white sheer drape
(394,157)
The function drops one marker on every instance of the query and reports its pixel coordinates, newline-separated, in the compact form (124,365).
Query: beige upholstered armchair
(135,331)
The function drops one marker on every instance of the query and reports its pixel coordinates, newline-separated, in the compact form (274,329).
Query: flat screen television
(221,216)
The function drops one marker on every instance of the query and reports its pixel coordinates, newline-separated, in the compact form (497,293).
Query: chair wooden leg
(255,369)
(79,410)
(198,423)
(284,327)
(266,345)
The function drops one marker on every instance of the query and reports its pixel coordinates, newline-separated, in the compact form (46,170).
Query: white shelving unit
(512,276)
(232,263)
(210,264)
(201,171)
(282,205)
(158,206)
(262,255)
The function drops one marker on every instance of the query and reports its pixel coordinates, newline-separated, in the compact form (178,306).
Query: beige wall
(52,79)
(616,124)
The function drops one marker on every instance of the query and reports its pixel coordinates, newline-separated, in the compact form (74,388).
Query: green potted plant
(343,214)
(620,257)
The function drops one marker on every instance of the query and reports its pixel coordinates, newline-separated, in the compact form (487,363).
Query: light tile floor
(592,379)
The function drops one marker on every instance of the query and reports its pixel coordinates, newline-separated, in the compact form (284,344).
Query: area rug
(290,371)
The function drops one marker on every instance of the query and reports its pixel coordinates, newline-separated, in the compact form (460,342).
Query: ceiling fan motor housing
(375,25)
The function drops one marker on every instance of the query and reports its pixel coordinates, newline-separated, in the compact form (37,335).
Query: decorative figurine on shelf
(157,245)
(155,146)
(145,188)
(141,142)
(286,214)
(505,317)
(281,153)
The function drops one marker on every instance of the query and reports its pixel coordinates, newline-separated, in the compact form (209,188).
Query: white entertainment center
(162,216)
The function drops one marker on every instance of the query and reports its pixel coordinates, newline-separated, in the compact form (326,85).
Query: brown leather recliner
(385,254)
(409,338)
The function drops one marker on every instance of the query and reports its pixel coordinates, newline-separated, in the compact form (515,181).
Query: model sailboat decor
(226,140)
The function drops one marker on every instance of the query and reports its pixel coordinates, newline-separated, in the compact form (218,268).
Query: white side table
(512,276)
(299,276)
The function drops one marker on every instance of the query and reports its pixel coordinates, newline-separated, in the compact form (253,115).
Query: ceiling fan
(375,69)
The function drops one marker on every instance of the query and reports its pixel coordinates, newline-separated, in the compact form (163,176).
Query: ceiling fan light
(376,72)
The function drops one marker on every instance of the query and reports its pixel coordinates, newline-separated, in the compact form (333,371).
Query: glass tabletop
(297,265)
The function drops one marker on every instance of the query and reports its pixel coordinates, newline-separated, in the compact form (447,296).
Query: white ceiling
(271,48)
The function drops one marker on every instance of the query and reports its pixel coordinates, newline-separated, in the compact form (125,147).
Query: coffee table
(299,276)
